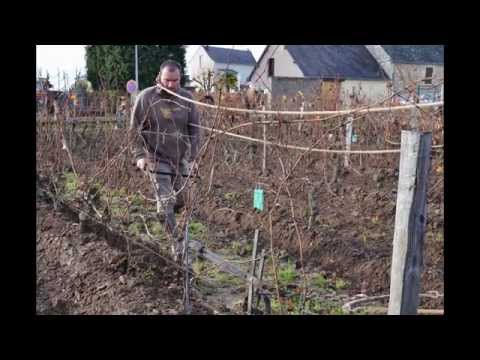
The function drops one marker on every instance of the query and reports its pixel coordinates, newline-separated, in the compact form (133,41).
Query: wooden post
(311,208)
(262,265)
(83,222)
(264,162)
(348,140)
(186,277)
(300,124)
(250,296)
(252,273)
(260,273)
(410,220)
(254,253)
(414,115)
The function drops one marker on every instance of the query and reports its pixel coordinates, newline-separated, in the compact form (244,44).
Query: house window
(271,67)
(428,75)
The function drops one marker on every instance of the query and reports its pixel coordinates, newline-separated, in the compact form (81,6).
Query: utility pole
(136,67)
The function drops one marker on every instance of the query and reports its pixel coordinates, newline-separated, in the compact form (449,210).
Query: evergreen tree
(111,66)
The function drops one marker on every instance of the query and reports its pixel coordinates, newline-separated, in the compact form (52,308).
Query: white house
(337,74)
(220,60)
(412,68)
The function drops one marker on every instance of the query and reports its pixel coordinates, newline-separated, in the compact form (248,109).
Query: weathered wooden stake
(300,124)
(264,162)
(410,220)
(348,140)
(415,119)
(186,278)
(252,273)
(83,221)
(250,296)
(311,208)
(260,273)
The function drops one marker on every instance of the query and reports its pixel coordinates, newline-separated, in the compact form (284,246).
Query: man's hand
(142,163)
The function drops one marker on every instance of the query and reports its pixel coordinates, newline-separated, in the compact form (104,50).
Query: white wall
(284,67)
(284,64)
(409,75)
(368,91)
(199,63)
(403,75)
(242,70)
(259,78)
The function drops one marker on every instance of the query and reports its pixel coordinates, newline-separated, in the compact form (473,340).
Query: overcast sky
(70,59)
(60,58)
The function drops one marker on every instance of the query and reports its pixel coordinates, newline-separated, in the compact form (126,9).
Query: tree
(111,66)
(205,80)
(93,59)
(226,80)
(82,85)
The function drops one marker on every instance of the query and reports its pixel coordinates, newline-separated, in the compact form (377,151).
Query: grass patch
(70,184)
(231,196)
(117,207)
(199,266)
(120,193)
(236,247)
(275,306)
(292,306)
(320,281)
(117,211)
(135,229)
(156,229)
(223,279)
(240,248)
(137,200)
(287,274)
(360,312)
(148,275)
(341,284)
(197,230)
(323,307)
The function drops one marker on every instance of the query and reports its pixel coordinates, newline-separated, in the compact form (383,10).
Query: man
(163,137)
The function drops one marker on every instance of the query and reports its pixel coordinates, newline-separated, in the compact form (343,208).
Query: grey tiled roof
(332,61)
(415,54)
(230,56)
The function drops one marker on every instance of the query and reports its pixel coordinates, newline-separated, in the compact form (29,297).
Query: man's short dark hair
(171,64)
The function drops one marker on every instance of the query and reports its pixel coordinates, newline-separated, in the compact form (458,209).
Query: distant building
(44,95)
(412,69)
(43,84)
(336,74)
(208,62)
